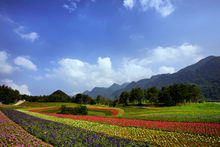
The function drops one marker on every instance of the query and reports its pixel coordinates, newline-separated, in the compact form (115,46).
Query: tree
(8,95)
(194,94)
(103,100)
(136,94)
(78,99)
(86,99)
(98,99)
(164,96)
(179,93)
(152,94)
(124,98)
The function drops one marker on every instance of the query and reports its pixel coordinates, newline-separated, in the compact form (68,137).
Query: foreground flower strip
(13,135)
(60,134)
(189,127)
(162,138)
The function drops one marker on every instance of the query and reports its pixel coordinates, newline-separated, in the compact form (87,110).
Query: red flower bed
(196,128)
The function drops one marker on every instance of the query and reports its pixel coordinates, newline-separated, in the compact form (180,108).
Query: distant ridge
(106,92)
(205,74)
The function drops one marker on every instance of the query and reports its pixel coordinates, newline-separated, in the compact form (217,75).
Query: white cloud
(5,68)
(23,89)
(144,4)
(22,61)
(129,3)
(133,70)
(7,19)
(32,36)
(185,53)
(71,5)
(164,7)
(166,69)
(82,75)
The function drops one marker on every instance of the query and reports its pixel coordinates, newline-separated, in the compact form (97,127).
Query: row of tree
(8,95)
(172,95)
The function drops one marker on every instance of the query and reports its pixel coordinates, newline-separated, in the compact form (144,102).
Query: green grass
(203,112)
(52,111)
(99,113)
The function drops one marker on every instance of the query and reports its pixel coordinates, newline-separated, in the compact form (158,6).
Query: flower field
(13,135)
(113,111)
(59,134)
(189,127)
(75,130)
(157,137)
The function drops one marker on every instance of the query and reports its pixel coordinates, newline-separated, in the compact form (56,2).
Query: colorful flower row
(190,127)
(158,137)
(13,135)
(60,134)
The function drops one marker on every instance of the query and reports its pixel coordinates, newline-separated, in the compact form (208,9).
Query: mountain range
(205,74)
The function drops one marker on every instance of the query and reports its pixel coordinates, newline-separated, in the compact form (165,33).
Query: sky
(76,45)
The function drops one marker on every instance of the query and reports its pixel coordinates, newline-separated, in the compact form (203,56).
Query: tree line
(169,96)
(172,95)
(9,96)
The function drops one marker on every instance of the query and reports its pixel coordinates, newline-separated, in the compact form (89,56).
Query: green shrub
(81,110)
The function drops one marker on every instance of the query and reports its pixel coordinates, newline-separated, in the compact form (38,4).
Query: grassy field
(192,112)
(202,112)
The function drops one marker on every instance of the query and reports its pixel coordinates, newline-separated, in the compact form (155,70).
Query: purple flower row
(60,134)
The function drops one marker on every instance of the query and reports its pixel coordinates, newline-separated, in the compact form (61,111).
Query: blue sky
(75,45)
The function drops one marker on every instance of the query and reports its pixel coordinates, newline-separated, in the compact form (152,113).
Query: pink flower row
(12,134)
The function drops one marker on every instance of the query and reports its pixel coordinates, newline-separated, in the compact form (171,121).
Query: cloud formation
(31,36)
(26,63)
(71,5)
(185,53)
(164,7)
(23,89)
(166,69)
(5,67)
(129,3)
(83,75)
